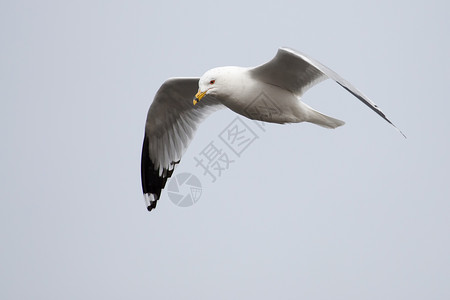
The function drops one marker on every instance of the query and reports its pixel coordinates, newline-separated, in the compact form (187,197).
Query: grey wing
(289,71)
(171,124)
(297,72)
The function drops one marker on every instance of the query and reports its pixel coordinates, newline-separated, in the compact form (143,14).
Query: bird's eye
(212,81)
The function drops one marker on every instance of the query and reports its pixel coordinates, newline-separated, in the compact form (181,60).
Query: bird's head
(208,84)
(221,83)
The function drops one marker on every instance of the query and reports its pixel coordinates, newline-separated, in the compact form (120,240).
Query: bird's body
(241,90)
(270,93)
(286,106)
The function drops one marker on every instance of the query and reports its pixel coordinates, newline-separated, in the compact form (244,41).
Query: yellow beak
(198,96)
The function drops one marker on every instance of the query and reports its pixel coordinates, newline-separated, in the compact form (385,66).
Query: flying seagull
(182,103)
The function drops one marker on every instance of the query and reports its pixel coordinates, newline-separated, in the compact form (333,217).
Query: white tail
(313,116)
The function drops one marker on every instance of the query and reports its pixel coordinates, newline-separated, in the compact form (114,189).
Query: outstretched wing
(171,124)
(297,72)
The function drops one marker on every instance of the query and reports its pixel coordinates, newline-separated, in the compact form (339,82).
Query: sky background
(304,213)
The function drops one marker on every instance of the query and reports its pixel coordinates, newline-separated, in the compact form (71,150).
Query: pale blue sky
(304,213)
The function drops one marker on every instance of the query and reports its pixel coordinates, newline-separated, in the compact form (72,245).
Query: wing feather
(171,124)
(297,72)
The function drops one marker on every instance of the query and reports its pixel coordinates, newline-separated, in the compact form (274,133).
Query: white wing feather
(172,120)
(171,124)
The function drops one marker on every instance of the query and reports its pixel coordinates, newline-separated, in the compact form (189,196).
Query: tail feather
(318,118)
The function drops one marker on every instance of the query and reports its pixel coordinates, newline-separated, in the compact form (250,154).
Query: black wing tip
(151,200)
(400,132)
(152,181)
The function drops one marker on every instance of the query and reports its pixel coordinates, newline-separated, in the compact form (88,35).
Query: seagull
(181,104)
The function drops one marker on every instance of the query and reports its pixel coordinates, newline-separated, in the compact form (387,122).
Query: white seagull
(182,103)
